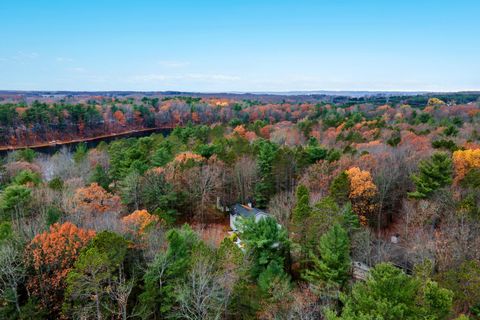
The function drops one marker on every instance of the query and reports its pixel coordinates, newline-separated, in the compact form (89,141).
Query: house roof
(246,211)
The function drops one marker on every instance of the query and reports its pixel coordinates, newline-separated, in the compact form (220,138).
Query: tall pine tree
(267,151)
(332,267)
(300,214)
(302,209)
(434,173)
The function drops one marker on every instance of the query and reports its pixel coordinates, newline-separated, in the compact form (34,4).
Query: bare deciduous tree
(305,305)
(204,183)
(457,241)
(245,176)
(120,290)
(419,246)
(154,242)
(361,246)
(130,189)
(203,295)
(12,273)
(281,206)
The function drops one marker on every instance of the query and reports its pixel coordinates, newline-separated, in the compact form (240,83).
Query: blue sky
(243,45)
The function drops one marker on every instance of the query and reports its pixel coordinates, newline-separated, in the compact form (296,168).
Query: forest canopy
(368,208)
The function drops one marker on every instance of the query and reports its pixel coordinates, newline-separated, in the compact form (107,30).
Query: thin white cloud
(77,70)
(147,78)
(63,59)
(22,56)
(214,77)
(183,77)
(173,64)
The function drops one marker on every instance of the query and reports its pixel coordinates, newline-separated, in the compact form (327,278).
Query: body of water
(92,142)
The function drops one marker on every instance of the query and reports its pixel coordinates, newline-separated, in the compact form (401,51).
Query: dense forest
(63,118)
(372,209)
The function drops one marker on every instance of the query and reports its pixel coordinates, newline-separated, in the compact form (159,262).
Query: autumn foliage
(240,130)
(362,193)
(138,221)
(51,255)
(464,161)
(386,162)
(120,117)
(188,156)
(94,199)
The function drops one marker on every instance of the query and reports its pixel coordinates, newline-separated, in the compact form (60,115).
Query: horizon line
(272,92)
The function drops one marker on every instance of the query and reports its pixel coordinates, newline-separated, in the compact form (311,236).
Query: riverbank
(53,146)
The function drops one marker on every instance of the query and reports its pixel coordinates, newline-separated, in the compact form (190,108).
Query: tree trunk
(15,294)
(97,305)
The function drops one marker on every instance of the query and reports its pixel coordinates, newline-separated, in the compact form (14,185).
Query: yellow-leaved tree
(362,193)
(464,161)
(137,222)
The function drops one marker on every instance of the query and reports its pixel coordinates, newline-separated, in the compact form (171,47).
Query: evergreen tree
(333,266)
(87,286)
(90,281)
(433,174)
(264,189)
(274,273)
(437,301)
(100,176)
(27,177)
(302,209)
(340,188)
(14,201)
(325,214)
(300,224)
(162,156)
(275,290)
(390,294)
(350,220)
(52,216)
(464,281)
(26,155)
(166,272)
(80,152)
(266,241)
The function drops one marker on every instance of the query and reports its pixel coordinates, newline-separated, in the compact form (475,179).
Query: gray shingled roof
(246,211)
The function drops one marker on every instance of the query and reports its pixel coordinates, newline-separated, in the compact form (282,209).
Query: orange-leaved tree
(240,130)
(120,117)
(362,193)
(94,199)
(51,256)
(464,161)
(188,156)
(137,222)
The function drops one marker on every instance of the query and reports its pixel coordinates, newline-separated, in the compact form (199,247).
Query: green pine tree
(265,241)
(434,173)
(267,152)
(14,201)
(166,272)
(340,188)
(86,292)
(89,282)
(302,209)
(300,224)
(332,267)
(390,294)
(100,176)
